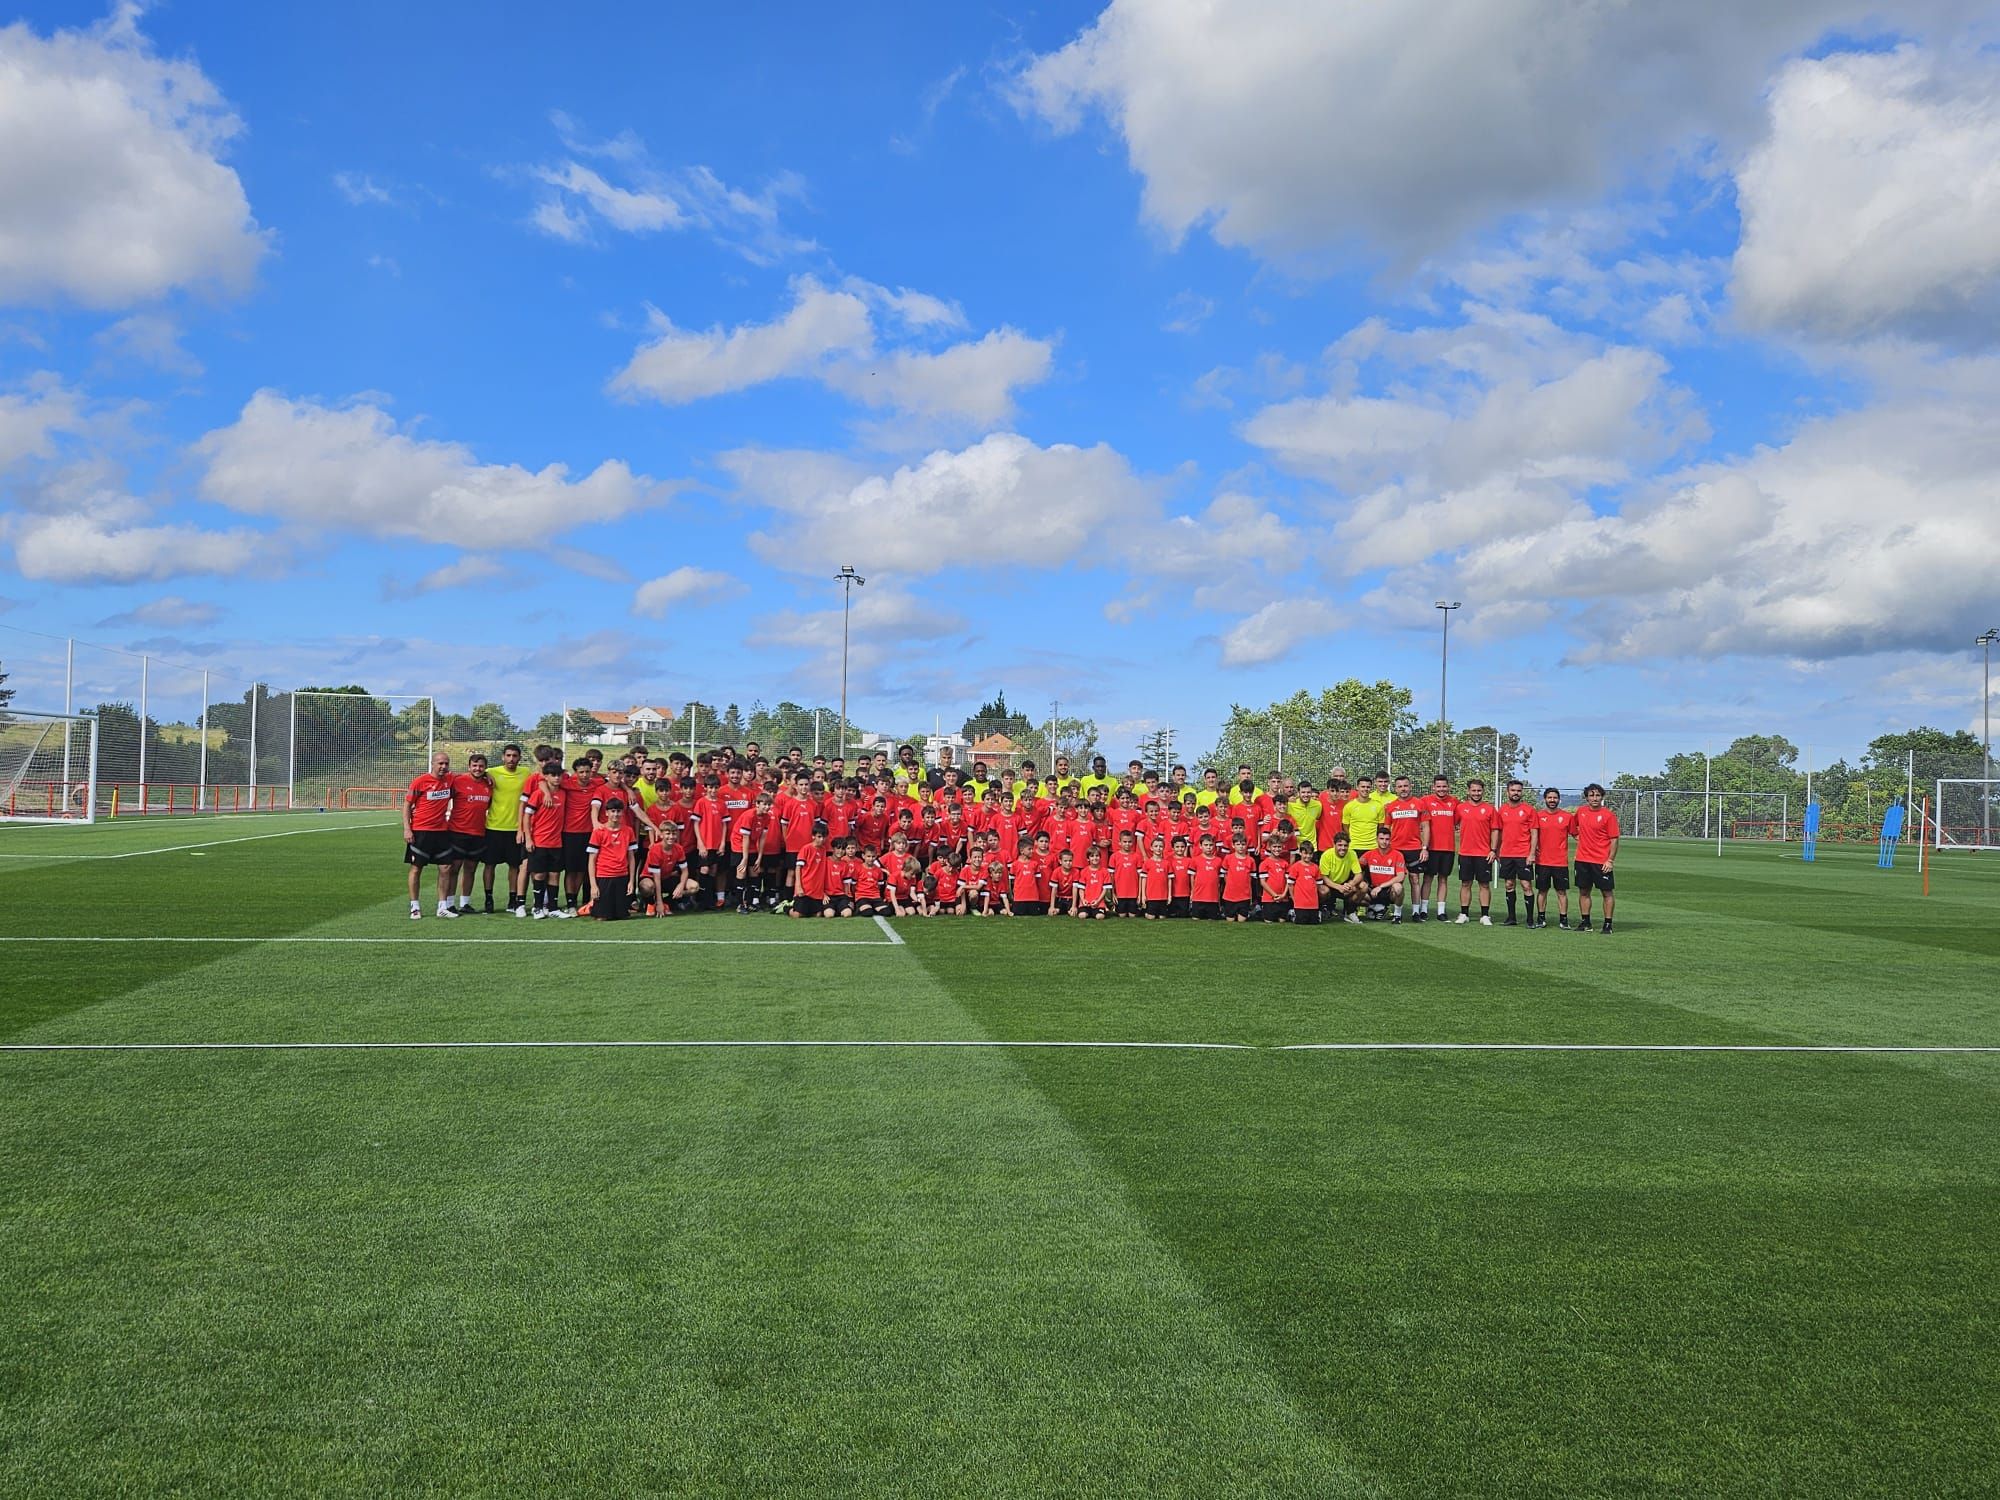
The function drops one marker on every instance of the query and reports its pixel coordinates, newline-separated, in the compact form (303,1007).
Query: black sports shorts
(430,846)
(1514,867)
(1236,909)
(576,853)
(1205,911)
(1475,869)
(1590,877)
(1438,862)
(503,847)
(1552,877)
(546,860)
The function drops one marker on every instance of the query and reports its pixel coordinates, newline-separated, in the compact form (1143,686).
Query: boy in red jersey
(1155,883)
(1063,885)
(427,836)
(1515,819)
(867,881)
(1387,876)
(1554,828)
(746,846)
(997,871)
(1478,823)
(1440,835)
(1596,847)
(1093,888)
(1239,879)
(1404,818)
(544,811)
(1125,865)
(1274,879)
(1304,891)
(1027,891)
(809,877)
(610,847)
(471,799)
(578,787)
(1180,879)
(946,890)
(1205,902)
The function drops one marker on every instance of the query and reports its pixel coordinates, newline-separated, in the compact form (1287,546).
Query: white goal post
(1966,814)
(48,767)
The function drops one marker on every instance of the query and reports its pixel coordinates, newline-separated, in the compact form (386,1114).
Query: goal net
(340,740)
(1966,814)
(48,767)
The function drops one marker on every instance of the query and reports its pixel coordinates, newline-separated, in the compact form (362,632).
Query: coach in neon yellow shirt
(1363,813)
(1303,809)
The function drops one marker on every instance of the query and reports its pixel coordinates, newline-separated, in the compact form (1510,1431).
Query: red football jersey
(1476,822)
(1381,866)
(429,801)
(1553,831)
(1517,828)
(611,852)
(1305,885)
(1595,828)
(1027,878)
(1405,819)
(1276,874)
(1125,874)
(1442,815)
(471,796)
(547,809)
(1238,871)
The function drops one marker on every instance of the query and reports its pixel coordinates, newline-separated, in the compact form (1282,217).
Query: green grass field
(999,1270)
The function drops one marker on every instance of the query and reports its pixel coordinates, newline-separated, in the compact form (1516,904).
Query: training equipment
(1965,814)
(48,767)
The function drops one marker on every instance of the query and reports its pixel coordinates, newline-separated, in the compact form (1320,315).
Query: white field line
(889,932)
(607,943)
(451,1046)
(248,838)
(692,1045)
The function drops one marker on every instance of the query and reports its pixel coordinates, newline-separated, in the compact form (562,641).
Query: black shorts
(467,848)
(1304,918)
(1205,911)
(1128,906)
(1031,908)
(1236,909)
(1438,862)
(1156,908)
(1591,877)
(1274,911)
(1180,906)
(613,901)
(1513,867)
(840,905)
(576,853)
(1381,895)
(430,846)
(1552,877)
(808,906)
(503,847)
(546,860)
(1475,869)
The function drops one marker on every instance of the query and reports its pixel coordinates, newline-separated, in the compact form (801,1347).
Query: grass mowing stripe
(603,937)
(248,838)
(692,1045)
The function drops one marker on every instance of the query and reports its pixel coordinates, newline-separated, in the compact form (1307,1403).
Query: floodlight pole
(848,579)
(203,793)
(1444,608)
(145,670)
(1985,643)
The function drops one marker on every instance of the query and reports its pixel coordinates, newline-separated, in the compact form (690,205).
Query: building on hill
(998,751)
(641,725)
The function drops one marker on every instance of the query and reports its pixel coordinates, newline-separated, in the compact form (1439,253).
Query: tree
(1076,738)
(1937,755)
(548,729)
(1155,750)
(1348,724)
(995,717)
(6,693)
(729,728)
(583,725)
(776,730)
(489,721)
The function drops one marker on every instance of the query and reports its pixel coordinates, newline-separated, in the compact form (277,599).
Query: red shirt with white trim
(429,801)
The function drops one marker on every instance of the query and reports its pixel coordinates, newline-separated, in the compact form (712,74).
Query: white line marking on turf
(1612,1047)
(248,838)
(447,1046)
(466,1046)
(889,932)
(509,943)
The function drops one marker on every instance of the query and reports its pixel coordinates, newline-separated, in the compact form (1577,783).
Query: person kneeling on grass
(611,867)
(1340,872)
(1387,878)
(809,878)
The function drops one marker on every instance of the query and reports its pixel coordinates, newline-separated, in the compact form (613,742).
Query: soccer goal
(48,767)
(337,741)
(1966,814)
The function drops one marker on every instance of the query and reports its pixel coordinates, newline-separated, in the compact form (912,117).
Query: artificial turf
(991,1270)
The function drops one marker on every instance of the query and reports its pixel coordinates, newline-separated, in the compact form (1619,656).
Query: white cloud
(578,200)
(658,597)
(82,549)
(884,621)
(829,335)
(1296,126)
(462,572)
(349,469)
(359,188)
(1503,423)
(29,419)
(111,187)
(1187,312)
(150,338)
(1276,629)
(1870,530)
(1873,206)
(1001,501)
(681,365)
(168,612)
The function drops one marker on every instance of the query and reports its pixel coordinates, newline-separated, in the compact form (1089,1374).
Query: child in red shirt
(1239,873)
(1154,881)
(1093,885)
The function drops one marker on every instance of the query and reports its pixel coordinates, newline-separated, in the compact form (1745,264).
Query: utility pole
(848,579)
(1445,608)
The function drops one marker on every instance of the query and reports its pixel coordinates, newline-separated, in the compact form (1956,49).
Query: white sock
(416,906)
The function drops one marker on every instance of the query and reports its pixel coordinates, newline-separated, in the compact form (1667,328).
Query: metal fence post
(202,795)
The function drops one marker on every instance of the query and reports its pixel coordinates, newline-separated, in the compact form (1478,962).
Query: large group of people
(657,835)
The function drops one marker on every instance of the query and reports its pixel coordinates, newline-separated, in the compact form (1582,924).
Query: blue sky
(1149,357)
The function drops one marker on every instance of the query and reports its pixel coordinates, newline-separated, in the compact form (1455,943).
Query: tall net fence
(45,767)
(1965,813)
